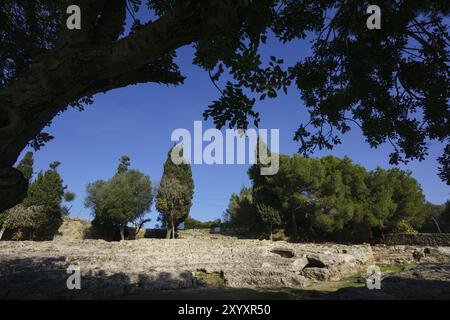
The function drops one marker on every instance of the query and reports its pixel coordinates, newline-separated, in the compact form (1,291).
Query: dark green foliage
(47,190)
(27,28)
(26,165)
(379,80)
(241,211)
(27,223)
(409,199)
(432,223)
(69,196)
(437,218)
(269,217)
(191,223)
(392,83)
(39,216)
(170,200)
(289,190)
(179,179)
(445,218)
(331,199)
(54,165)
(124,199)
(124,164)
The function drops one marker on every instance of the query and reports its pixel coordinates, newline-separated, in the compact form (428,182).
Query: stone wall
(73,229)
(420,239)
(204,234)
(404,255)
(38,269)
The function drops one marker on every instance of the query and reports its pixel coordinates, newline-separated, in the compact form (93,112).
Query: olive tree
(391,82)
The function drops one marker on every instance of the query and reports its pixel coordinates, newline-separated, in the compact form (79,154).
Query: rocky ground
(422,282)
(425,281)
(38,269)
(120,269)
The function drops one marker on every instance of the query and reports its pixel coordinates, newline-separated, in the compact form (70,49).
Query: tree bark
(13,188)
(437,224)
(172,226)
(122,233)
(173,231)
(2,231)
(294,228)
(169,228)
(88,61)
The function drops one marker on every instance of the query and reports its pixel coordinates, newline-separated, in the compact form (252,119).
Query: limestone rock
(38,269)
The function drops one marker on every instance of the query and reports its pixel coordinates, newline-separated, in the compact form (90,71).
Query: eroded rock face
(73,230)
(108,269)
(401,254)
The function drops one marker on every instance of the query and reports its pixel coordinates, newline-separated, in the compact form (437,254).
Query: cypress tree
(125,163)
(181,173)
(26,165)
(47,190)
(269,216)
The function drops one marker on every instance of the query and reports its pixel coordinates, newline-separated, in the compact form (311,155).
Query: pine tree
(444,218)
(47,190)
(335,199)
(124,164)
(26,166)
(269,216)
(241,211)
(40,214)
(182,174)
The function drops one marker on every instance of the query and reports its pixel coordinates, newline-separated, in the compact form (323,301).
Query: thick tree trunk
(13,188)
(92,60)
(2,231)
(83,63)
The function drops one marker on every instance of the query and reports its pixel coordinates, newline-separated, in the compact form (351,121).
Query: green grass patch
(357,281)
(394,268)
(210,279)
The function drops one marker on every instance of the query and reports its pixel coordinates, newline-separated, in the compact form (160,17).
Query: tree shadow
(397,288)
(46,278)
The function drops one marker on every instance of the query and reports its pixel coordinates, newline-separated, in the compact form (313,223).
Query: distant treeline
(120,206)
(191,223)
(333,199)
(309,199)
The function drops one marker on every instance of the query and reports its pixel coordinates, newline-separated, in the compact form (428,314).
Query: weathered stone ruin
(111,269)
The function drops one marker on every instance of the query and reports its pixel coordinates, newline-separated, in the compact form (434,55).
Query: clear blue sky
(138,121)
